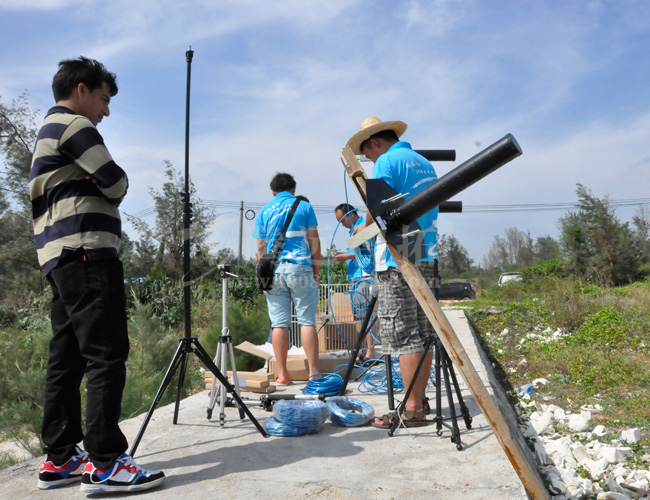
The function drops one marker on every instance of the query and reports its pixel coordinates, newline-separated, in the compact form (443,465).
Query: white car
(506,278)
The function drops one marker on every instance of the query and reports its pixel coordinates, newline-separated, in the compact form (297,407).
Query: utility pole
(241,230)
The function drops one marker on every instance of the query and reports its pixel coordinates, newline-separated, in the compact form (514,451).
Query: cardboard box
(297,365)
(330,362)
(265,390)
(341,306)
(246,380)
(330,340)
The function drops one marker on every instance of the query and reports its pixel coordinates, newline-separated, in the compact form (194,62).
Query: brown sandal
(412,419)
(386,421)
(415,418)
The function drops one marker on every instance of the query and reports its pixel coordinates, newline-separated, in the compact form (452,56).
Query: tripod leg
(179,389)
(389,382)
(171,370)
(455,432)
(400,408)
(223,395)
(362,335)
(438,371)
(236,378)
(207,361)
(213,397)
(215,390)
(464,411)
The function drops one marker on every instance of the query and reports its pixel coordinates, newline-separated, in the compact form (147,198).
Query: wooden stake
(507,432)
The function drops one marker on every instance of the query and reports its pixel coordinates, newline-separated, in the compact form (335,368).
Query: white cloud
(283,85)
(437,17)
(20,5)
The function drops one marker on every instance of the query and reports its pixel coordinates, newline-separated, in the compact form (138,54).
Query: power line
(538,207)
(521,207)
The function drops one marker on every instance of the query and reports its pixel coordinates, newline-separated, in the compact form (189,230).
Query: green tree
(17,136)
(599,247)
(225,256)
(454,258)
(138,257)
(516,249)
(19,270)
(641,223)
(520,247)
(498,256)
(168,233)
(546,248)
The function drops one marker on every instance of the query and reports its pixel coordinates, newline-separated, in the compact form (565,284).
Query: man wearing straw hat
(404,326)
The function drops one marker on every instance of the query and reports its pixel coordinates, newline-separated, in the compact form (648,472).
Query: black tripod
(444,369)
(188,344)
(443,363)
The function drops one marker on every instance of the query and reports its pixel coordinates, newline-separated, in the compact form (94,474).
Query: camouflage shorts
(403,325)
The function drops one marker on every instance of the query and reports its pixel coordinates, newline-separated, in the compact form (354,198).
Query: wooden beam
(506,431)
(362,236)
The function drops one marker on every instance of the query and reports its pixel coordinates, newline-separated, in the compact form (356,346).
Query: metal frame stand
(224,350)
(188,344)
(444,370)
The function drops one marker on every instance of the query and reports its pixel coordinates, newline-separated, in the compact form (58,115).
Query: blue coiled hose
(276,428)
(329,384)
(360,301)
(301,413)
(375,379)
(350,412)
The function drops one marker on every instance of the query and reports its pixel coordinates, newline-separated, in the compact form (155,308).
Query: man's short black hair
(72,72)
(282,182)
(344,208)
(387,135)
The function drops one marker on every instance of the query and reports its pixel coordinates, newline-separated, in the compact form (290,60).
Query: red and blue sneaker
(123,475)
(53,476)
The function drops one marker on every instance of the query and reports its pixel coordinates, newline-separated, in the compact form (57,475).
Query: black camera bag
(266,265)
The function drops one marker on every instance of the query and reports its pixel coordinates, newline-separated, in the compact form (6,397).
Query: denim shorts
(403,324)
(292,282)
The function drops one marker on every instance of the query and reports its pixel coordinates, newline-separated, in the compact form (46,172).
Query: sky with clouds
(282,85)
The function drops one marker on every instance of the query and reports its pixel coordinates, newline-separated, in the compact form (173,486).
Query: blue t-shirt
(408,172)
(354,270)
(270,221)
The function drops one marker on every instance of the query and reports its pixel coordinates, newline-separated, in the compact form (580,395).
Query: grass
(154,331)
(590,343)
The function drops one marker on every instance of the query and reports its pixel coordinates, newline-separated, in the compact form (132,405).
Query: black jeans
(90,336)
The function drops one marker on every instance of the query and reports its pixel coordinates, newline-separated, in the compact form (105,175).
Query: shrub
(22,371)
(152,349)
(163,295)
(7,317)
(244,323)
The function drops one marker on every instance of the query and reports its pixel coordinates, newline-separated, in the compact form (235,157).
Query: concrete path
(204,460)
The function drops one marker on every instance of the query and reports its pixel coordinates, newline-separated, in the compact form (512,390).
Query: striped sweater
(69,211)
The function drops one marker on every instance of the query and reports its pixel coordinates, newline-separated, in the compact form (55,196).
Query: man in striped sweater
(75,188)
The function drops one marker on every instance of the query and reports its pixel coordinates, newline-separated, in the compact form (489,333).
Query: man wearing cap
(404,326)
(360,279)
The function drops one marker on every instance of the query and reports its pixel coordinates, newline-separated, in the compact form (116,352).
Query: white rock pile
(574,461)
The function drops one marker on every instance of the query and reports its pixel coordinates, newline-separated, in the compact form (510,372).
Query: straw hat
(371,126)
